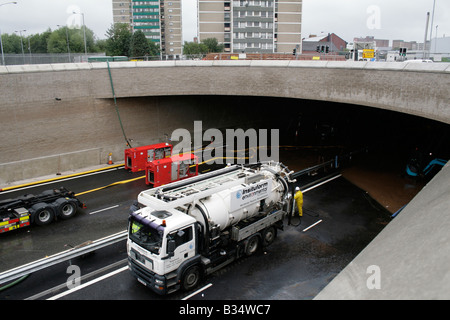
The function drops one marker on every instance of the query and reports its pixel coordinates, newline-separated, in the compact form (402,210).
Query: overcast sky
(384,19)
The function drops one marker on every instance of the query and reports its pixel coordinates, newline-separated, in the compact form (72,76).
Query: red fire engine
(179,167)
(136,158)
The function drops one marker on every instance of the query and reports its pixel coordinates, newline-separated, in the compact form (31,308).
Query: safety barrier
(47,262)
(335,163)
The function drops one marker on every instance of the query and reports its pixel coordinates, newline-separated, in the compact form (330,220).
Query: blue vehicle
(420,165)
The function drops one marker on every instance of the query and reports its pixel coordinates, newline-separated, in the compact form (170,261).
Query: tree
(11,43)
(119,38)
(38,41)
(213,45)
(139,45)
(193,48)
(205,46)
(57,41)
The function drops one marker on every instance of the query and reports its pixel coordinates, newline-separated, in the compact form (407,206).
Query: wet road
(296,266)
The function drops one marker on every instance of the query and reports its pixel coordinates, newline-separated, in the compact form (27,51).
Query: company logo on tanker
(254,190)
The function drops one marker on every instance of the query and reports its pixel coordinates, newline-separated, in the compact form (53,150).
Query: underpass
(303,98)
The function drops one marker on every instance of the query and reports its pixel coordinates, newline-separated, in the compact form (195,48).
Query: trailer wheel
(269,236)
(43,214)
(252,245)
(191,278)
(65,208)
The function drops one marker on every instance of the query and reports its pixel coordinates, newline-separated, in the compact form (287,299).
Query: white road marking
(197,292)
(322,183)
(87,284)
(105,209)
(311,226)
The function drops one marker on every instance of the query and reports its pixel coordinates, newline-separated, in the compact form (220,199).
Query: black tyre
(269,236)
(65,209)
(252,245)
(44,214)
(191,278)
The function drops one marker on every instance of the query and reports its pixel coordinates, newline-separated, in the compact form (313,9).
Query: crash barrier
(332,164)
(47,262)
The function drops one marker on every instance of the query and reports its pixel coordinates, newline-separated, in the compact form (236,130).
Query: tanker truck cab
(184,230)
(159,245)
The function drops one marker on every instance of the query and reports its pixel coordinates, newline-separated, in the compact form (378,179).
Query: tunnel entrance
(312,132)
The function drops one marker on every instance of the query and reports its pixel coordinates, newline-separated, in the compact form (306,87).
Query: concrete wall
(411,255)
(62,117)
(418,89)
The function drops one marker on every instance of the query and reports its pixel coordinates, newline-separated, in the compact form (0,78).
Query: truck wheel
(269,236)
(252,245)
(66,209)
(191,278)
(43,214)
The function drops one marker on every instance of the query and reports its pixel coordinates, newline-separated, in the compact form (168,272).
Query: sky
(384,19)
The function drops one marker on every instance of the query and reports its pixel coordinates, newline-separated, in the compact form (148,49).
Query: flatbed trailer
(39,209)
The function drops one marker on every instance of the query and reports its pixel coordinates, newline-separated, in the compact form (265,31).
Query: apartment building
(160,20)
(252,26)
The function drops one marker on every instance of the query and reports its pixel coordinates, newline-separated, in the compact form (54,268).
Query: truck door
(174,171)
(150,155)
(184,246)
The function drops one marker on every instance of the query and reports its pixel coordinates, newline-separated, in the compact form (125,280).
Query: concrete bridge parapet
(66,109)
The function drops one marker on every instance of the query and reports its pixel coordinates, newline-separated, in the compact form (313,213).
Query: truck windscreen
(145,236)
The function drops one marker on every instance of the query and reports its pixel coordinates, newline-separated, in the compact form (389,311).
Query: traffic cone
(110,159)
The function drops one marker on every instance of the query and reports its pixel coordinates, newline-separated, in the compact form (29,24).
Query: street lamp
(67,39)
(84,31)
(21,43)
(1,42)
(436,40)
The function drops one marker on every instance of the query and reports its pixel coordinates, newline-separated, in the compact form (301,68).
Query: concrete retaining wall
(409,259)
(51,114)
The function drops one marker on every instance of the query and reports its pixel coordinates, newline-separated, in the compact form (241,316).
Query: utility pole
(432,23)
(426,34)
(1,42)
(21,44)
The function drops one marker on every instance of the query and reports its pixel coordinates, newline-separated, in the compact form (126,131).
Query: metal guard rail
(331,164)
(32,267)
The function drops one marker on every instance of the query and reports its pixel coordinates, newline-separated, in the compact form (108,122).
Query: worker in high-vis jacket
(298,197)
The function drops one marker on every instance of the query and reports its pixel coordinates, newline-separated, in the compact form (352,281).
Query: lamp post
(432,22)
(84,31)
(21,44)
(436,39)
(1,42)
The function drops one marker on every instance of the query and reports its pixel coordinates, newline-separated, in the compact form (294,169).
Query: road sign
(368,53)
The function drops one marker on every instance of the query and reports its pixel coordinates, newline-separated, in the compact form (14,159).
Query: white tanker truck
(187,229)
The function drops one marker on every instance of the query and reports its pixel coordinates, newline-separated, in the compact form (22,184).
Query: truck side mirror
(171,246)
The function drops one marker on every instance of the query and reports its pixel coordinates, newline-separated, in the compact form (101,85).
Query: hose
(13,283)
(117,109)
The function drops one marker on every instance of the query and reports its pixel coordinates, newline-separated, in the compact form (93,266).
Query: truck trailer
(188,229)
(40,209)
